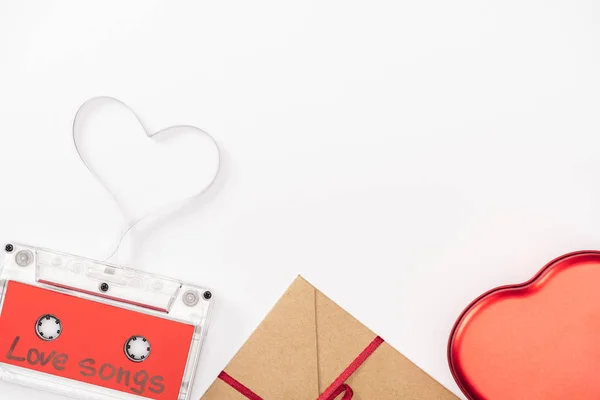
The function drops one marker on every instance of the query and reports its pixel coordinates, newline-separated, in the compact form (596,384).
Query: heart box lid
(535,340)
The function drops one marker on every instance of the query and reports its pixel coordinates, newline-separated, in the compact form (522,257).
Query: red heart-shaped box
(536,340)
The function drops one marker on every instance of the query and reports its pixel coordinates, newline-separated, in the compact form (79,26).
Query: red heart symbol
(536,340)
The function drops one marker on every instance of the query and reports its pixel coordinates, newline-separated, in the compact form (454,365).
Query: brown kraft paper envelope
(305,343)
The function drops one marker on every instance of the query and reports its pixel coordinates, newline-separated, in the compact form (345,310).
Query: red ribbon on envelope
(225,377)
(334,390)
(347,390)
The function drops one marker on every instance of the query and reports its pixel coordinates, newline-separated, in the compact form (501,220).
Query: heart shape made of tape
(146,172)
(536,340)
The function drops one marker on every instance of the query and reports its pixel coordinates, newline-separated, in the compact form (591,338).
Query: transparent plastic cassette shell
(84,282)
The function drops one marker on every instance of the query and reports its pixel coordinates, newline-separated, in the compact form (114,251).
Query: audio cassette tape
(91,330)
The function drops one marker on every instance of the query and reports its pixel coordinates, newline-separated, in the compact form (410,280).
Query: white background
(403,156)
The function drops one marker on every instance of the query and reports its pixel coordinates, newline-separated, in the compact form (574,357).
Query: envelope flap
(279,360)
(340,338)
(386,374)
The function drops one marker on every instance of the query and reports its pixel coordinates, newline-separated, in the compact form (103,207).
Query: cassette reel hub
(137,348)
(48,327)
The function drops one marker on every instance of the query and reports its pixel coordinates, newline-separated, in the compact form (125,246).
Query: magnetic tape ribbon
(337,388)
(130,224)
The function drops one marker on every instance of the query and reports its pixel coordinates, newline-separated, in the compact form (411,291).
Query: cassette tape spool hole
(23,258)
(137,348)
(191,298)
(48,327)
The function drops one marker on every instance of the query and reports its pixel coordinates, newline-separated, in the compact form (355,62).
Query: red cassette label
(92,343)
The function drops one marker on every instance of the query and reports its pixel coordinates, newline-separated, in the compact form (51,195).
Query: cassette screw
(207,295)
(104,287)
(9,248)
(24,258)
